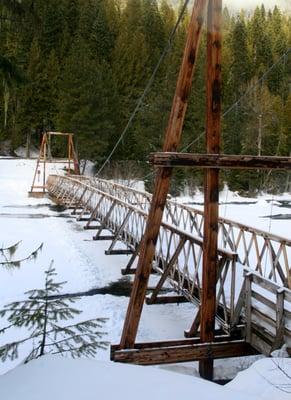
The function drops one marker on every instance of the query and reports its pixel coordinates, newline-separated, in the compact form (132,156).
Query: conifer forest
(81,66)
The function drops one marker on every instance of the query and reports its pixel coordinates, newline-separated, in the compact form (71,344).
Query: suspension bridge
(237,277)
(253,297)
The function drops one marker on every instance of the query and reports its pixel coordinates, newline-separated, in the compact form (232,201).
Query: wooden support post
(211,185)
(248,306)
(280,320)
(172,140)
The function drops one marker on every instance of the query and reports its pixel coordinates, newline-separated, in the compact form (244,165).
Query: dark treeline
(81,66)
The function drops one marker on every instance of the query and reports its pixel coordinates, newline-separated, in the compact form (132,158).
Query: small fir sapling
(42,313)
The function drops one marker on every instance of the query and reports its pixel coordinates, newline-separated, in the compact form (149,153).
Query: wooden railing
(264,252)
(267,313)
(178,258)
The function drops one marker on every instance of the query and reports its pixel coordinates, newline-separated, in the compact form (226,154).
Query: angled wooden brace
(104,224)
(152,299)
(94,214)
(117,236)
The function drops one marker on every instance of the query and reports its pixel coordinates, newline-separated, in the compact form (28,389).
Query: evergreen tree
(43,313)
(86,103)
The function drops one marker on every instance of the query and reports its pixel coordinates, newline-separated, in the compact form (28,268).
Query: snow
(57,378)
(82,263)
(266,379)
(254,212)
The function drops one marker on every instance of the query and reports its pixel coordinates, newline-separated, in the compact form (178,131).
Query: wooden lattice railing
(178,257)
(261,251)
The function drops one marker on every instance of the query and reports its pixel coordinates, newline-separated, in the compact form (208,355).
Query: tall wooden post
(172,140)
(211,185)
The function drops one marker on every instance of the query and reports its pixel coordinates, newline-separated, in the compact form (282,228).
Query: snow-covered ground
(55,378)
(82,263)
(267,212)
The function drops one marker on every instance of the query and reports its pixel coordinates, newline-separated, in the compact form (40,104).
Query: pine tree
(43,313)
(88,104)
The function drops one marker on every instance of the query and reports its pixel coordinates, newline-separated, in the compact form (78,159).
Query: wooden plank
(264,283)
(172,140)
(269,303)
(166,300)
(91,227)
(211,181)
(184,353)
(263,318)
(218,161)
(104,237)
(128,271)
(172,342)
(260,344)
(118,252)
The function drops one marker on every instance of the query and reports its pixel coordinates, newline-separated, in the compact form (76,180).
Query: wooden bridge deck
(253,284)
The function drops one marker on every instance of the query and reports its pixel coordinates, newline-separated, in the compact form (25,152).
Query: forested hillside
(81,66)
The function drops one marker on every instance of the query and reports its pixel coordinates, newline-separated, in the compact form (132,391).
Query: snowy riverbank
(82,263)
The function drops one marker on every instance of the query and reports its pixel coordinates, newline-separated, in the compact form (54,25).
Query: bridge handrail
(193,238)
(148,196)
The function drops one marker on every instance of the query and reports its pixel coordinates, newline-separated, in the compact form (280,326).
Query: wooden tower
(38,187)
(211,344)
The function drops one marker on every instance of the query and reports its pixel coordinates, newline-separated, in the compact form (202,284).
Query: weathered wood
(172,140)
(171,343)
(118,234)
(43,159)
(170,160)
(104,223)
(280,320)
(211,181)
(264,283)
(248,306)
(91,227)
(128,270)
(118,252)
(195,325)
(260,342)
(166,300)
(182,353)
(103,237)
(167,270)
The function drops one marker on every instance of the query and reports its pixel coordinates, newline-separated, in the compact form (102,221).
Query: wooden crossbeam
(167,352)
(217,161)
(118,252)
(166,300)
